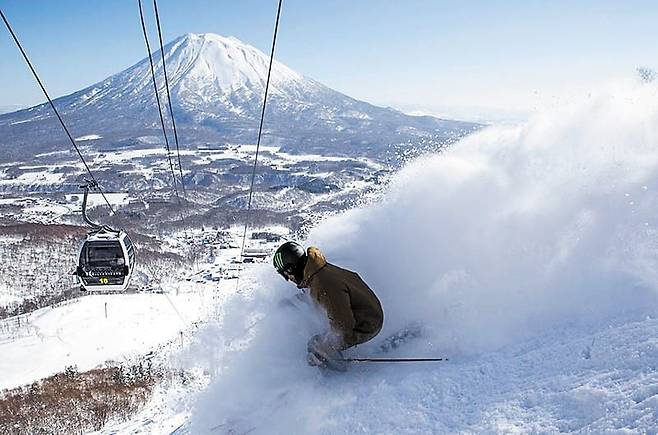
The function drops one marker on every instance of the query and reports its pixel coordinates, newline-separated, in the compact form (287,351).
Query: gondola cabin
(106,262)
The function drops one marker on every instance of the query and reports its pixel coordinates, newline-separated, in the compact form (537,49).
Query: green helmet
(290,258)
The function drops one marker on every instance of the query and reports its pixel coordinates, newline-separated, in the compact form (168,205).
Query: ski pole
(392,360)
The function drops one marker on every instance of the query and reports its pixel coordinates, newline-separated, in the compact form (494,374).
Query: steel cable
(260,128)
(171,110)
(157,99)
(59,117)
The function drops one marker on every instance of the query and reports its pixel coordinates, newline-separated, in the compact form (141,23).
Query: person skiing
(353,310)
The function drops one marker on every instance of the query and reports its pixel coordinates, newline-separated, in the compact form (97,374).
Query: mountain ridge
(217,85)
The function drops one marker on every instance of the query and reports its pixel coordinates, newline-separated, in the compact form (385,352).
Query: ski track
(566,382)
(543,386)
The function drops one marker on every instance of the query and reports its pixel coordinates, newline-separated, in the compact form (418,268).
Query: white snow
(229,63)
(78,333)
(47,210)
(206,71)
(121,156)
(97,199)
(36,177)
(36,209)
(272,156)
(6,295)
(21,122)
(529,256)
(54,153)
(88,137)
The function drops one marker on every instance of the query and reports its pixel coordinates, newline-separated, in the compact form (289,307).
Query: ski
(393,360)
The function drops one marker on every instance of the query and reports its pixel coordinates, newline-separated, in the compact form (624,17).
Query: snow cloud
(516,232)
(518,229)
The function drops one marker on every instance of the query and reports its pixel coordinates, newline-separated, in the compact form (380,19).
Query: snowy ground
(569,380)
(39,209)
(528,253)
(78,333)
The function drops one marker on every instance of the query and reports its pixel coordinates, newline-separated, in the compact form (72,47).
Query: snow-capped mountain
(217,85)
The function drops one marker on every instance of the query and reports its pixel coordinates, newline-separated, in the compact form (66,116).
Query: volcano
(217,85)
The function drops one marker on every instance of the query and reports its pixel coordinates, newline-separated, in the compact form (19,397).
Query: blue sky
(459,57)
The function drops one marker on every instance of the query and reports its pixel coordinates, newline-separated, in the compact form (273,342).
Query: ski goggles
(286,272)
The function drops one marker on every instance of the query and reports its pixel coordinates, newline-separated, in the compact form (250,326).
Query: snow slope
(563,382)
(529,256)
(78,333)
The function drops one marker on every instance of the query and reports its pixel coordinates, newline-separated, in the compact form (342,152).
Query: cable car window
(105,253)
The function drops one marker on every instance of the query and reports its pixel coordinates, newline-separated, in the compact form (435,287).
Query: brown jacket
(353,309)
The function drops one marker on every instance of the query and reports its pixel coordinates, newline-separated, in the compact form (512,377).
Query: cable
(61,121)
(164,130)
(171,110)
(260,128)
(180,316)
(157,98)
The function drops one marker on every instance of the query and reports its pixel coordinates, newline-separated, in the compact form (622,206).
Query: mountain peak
(226,63)
(209,36)
(217,85)
(194,39)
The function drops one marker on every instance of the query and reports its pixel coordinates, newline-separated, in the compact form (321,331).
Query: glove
(321,349)
(313,360)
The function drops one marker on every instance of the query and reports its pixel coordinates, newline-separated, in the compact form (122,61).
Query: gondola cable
(157,99)
(173,121)
(52,105)
(260,133)
(171,110)
(180,316)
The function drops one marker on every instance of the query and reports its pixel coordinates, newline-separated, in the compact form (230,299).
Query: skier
(354,312)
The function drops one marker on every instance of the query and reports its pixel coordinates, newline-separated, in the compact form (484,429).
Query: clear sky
(460,57)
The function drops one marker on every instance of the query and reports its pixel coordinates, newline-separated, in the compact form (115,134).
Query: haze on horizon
(482,60)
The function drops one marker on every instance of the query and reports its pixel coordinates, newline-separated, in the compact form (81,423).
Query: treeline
(36,266)
(37,262)
(80,402)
